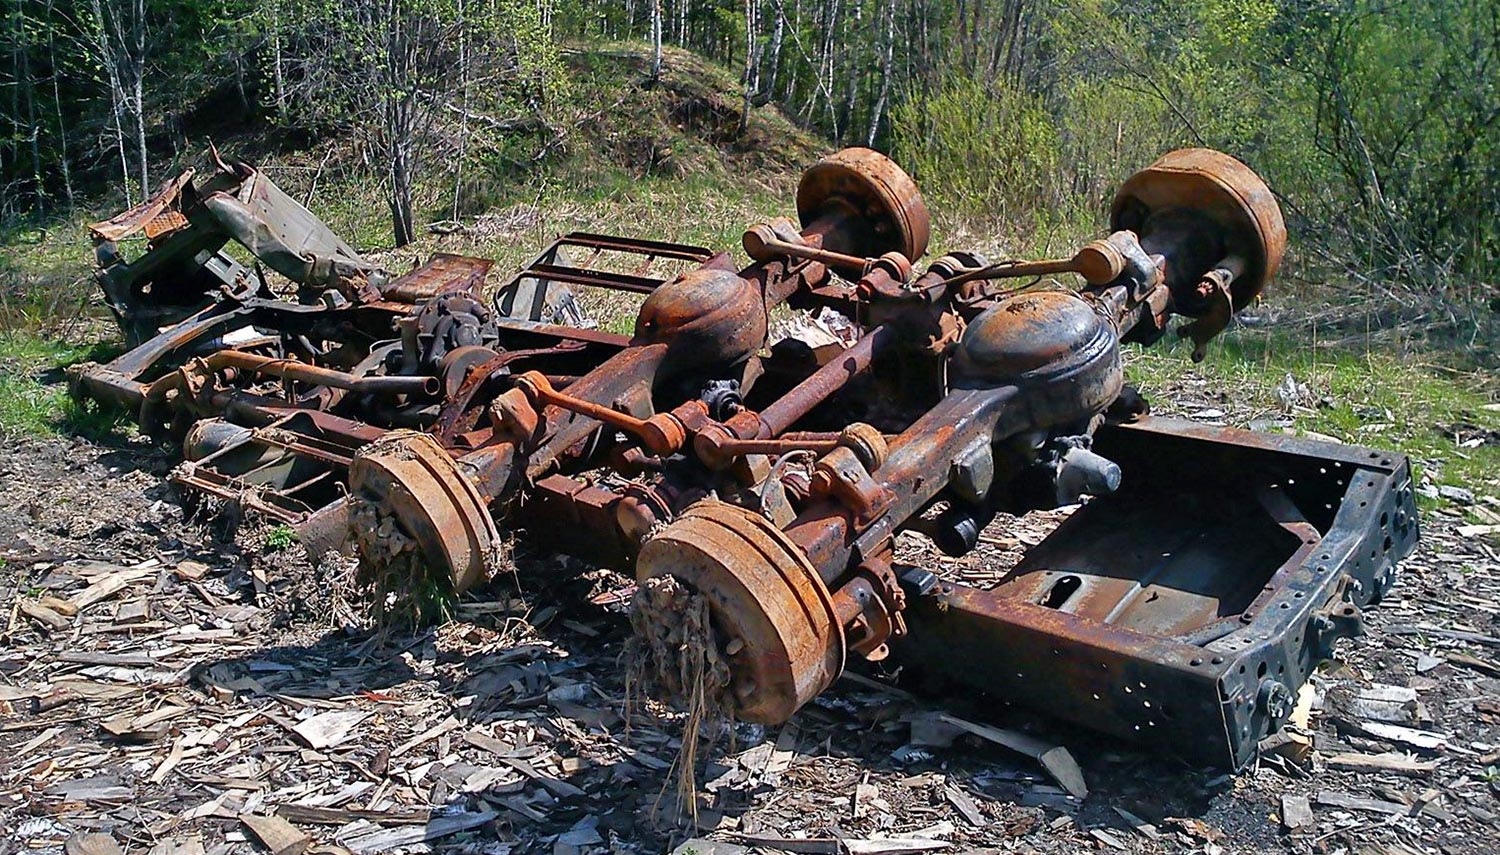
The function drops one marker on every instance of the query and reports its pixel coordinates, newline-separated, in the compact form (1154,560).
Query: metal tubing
(809,253)
(292,370)
(823,383)
(827,531)
(781,445)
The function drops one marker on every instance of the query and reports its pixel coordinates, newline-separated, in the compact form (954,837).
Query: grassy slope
(1373,398)
(33,393)
(658,162)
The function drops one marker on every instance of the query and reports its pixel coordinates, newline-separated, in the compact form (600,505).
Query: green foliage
(988,153)
(281,538)
(1377,123)
(1406,118)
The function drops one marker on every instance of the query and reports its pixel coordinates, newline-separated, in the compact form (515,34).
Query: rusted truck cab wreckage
(408,417)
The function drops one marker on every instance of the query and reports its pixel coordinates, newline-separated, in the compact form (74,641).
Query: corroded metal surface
(408,478)
(1214,185)
(414,419)
(784,640)
(863,204)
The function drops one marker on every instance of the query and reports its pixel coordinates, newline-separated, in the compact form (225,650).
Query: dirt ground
(212,679)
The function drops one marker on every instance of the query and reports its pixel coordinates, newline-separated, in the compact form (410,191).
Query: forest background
(1376,121)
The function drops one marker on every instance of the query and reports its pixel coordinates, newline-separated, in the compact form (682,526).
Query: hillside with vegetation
(1377,123)
(490,128)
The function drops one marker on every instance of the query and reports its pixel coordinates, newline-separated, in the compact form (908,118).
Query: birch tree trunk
(656,28)
(878,110)
(852,65)
(752,61)
(278,78)
(106,56)
(777,35)
(64,160)
(398,129)
(463,94)
(138,101)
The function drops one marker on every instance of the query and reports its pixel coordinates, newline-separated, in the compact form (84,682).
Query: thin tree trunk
(1015,54)
(138,100)
(62,127)
(399,122)
(137,82)
(16,31)
(752,61)
(878,110)
(402,228)
(656,28)
(829,54)
(124,158)
(851,92)
(277,74)
(463,94)
(777,35)
(107,59)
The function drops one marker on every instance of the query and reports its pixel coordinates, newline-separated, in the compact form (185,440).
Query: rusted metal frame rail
(545,265)
(278,439)
(1209,701)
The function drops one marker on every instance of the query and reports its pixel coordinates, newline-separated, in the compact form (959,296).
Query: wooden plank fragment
(133,612)
(343,816)
(329,729)
(1139,825)
(893,845)
(61,606)
(108,586)
(796,845)
(89,843)
(1399,764)
(965,805)
(1440,632)
(276,834)
(1474,663)
(447,724)
(384,839)
(112,660)
(1346,801)
(1411,737)
(1296,812)
(556,786)
(43,615)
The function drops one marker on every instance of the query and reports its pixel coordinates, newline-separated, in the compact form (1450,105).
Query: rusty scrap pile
(407,417)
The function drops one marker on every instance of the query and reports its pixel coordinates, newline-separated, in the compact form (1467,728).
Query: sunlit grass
(1406,403)
(33,395)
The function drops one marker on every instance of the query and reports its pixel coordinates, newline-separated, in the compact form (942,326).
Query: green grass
(44,270)
(1407,403)
(33,391)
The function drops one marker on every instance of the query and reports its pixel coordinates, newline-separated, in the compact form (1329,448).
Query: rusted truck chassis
(407,417)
